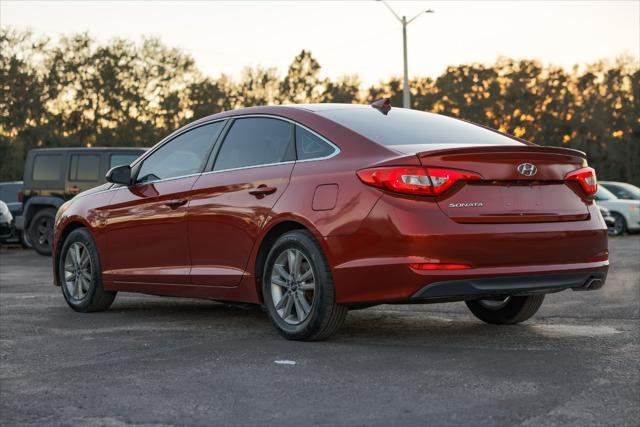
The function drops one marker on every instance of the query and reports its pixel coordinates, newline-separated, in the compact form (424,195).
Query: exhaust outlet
(593,284)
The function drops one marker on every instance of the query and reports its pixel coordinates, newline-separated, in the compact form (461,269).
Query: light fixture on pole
(406,96)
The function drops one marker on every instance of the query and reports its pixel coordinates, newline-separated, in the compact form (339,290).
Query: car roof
(328,106)
(282,110)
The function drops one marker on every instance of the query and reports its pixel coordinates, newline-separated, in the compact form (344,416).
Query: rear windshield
(410,127)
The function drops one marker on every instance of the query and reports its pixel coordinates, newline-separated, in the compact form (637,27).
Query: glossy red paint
(202,235)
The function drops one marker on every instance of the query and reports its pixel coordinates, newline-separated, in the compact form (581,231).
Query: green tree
(24,117)
(78,92)
(302,83)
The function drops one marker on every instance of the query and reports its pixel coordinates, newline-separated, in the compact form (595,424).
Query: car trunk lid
(518,184)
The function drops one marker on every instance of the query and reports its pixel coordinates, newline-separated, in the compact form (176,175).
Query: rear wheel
(80,274)
(298,289)
(41,231)
(506,311)
(619,226)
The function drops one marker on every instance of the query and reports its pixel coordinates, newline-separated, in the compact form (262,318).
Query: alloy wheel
(293,286)
(78,271)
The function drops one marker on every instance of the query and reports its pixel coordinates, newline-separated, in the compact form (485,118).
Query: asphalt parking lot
(162,361)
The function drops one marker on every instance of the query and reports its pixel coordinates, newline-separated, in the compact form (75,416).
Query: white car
(6,221)
(626,212)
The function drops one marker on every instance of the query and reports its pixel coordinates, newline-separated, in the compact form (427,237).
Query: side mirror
(119,175)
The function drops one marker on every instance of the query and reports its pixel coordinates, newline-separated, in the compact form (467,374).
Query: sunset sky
(360,37)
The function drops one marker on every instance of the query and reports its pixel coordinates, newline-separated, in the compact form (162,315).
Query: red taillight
(586,177)
(415,180)
(437,266)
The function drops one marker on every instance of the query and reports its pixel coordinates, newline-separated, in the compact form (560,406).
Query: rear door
(231,202)
(518,184)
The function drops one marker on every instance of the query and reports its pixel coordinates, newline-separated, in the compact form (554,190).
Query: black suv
(53,176)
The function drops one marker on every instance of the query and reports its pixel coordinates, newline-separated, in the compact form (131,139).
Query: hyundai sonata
(312,210)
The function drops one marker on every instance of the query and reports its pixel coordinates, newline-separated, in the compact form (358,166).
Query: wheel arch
(37,203)
(66,230)
(274,230)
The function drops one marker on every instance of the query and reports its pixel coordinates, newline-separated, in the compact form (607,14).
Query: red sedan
(312,210)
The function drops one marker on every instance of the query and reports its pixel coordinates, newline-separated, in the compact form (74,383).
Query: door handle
(262,190)
(173,204)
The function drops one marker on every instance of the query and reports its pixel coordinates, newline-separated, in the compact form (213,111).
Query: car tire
(301,305)
(511,310)
(41,231)
(619,226)
(80,274)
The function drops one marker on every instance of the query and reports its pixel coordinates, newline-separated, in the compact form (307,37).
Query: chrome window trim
(249,167)
(336,149)
(166,141)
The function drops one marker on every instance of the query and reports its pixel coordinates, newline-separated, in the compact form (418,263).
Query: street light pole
(406,94)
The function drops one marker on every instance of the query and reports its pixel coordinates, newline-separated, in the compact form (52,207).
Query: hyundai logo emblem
(527,169)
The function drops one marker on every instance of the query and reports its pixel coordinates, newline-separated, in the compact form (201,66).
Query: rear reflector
(415,180)
(586,177)
(436,266)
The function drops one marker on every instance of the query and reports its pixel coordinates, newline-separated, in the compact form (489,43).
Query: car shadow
(377,325)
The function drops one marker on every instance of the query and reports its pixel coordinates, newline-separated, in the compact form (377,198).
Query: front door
(146,222)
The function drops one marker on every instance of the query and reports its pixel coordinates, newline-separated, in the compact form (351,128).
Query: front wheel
(80,274)
(298,289)
(506,311)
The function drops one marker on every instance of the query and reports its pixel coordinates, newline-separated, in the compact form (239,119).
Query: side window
(47,167)
(254,142)
(310,146)
(184,155)
(84,167)
(121,159)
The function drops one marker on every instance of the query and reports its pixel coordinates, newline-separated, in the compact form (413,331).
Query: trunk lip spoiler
(504,149)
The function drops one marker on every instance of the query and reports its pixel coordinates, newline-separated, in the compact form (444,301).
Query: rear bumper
(373,265)
(471,288)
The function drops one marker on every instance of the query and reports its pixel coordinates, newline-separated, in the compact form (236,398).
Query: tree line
(77,92)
